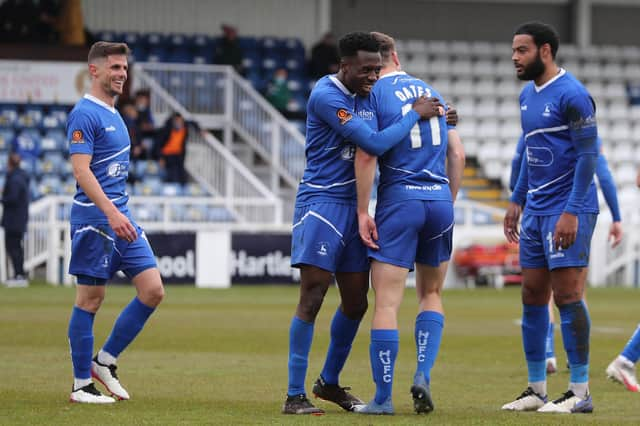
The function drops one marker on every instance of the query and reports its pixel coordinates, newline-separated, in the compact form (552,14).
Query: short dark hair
(102,49)
(387,45)
(542,33)
(351,43)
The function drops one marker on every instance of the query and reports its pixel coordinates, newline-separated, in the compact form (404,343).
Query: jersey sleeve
(339,116)
(80,133)
(581,117)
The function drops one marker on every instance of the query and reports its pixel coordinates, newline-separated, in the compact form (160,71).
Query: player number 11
(416,136)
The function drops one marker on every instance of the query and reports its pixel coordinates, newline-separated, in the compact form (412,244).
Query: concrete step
(484,194)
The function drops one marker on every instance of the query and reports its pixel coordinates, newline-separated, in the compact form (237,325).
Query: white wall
(305,19)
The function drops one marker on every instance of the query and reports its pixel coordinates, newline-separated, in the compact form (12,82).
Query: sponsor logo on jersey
(523,107)
(366,114)
(110,128)
(539,156)
(344,116)
(77,137)
(116,169)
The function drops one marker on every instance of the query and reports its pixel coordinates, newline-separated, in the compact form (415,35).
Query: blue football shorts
(325,235)
(414,231)
(97,254)
(536,242)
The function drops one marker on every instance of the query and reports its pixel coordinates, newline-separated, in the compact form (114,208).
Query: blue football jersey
(331,119)
(553,117)
(97,129)
(414,168)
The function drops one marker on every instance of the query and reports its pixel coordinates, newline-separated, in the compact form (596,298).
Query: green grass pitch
(220,357)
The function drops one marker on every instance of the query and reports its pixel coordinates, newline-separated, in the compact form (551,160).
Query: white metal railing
(217,97)
(47,241)
(208,161)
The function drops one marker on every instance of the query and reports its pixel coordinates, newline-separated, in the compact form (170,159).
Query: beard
(533,70)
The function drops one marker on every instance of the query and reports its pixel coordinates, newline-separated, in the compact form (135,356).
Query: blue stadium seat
(50,165)
(54,140)
(194,189)
(31,117)
(8,116)
(69,186)
(50,185)
(27,143)
(219,214)
(172,189)
(150,186)
(6,137)
(204,49)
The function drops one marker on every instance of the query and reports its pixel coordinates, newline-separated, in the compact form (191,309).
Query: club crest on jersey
(323,248)
(547,110)
(77,137)
(344,116)
(348,152)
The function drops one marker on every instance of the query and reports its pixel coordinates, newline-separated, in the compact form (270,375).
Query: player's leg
(353,287)
(89,297)
(568,280)
(138,262)
(314,283)
(622,369)
(550,352)
(428,331)
(91,249)
(316,247)
(388,282)
(535,323)
(536,291)
(432,259)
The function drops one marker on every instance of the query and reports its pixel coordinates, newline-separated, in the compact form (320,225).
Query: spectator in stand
(229,51)
(324,57)
(146,128)
(15,215)
(173,149)
(277,91)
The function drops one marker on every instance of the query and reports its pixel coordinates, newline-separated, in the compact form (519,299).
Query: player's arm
(455,162)
(610,193)
(583,133)
(338,115)
(89,184)
(518,198)
(516,162)
(365,168)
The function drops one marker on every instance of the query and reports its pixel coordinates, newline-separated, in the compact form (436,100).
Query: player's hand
(122,227)
(511,219)
(428,107)
(566,231)
(368,230)
(615,234)
(451,115)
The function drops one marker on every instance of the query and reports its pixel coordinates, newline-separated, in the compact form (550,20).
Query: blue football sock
(632,350)
(576,325)
(81,342)
(383,352)
(535,323)
(550,345)
(300,337)
(343,331)
(127,326)
(428,334)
